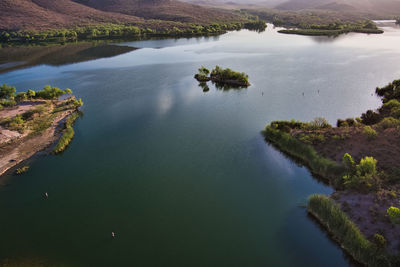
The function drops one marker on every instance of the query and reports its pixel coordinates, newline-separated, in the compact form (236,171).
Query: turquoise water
(183,177)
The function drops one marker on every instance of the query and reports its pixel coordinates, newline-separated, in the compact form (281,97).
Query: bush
(394,215)
(319,123)
(370,117)
(21,97)
(361,177)
(341,123)
(370,133)
(7,92)
(389,122)
(380,241)
(49,92)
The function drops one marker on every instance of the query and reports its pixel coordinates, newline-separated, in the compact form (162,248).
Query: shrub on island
(222,76)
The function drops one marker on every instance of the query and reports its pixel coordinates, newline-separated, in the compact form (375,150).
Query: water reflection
(204,86)
(13,58)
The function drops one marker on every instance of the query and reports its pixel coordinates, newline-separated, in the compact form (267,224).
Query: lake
(183,177)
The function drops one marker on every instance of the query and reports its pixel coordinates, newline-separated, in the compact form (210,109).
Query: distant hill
(45,14)
(379,7)
(48,14)
(161,9)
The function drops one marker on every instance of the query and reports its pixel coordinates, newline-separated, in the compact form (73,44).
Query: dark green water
(183,177)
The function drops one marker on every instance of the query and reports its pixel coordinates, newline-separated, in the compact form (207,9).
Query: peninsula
(32,121)
(359,158)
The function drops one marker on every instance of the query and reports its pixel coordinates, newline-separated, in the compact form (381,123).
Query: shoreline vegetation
(335,29)
(222,78)
(121,31)
(31,122)
(317,23)
(359,159)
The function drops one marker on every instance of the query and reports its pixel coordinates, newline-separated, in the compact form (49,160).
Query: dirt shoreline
(17,147)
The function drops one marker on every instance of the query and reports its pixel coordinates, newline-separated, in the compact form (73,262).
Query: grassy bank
(304,153)
(346,233)
(68,133)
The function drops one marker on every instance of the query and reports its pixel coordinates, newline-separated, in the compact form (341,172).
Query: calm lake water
(183,177)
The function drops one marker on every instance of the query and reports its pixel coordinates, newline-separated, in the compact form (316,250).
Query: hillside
(378,7)
(162,9)
(50,14)
(45,14)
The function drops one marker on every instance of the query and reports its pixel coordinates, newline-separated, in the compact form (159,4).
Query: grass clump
(394,215)
(370,133)
(22,170)
(346,232)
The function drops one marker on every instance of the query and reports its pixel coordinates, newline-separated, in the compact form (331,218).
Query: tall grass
(347,233)
(68,134)
(304,153)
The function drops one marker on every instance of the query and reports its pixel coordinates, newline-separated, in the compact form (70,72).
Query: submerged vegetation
(223,78)
(22,170)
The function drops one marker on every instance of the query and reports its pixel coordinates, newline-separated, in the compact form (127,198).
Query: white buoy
(113,234)
(46,195)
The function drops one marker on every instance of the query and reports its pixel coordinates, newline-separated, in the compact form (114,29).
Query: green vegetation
(223,78)
(394,215)
(228,76)
(67,135)
(361,177)
(346,123)
(9,98)
(370,133)
(317,23)
(388,122)
(335,32)
(347,233)
(257,25)
(7,95)
(123,31)
(277,134)
(22,170)
(379,241)
(202,76)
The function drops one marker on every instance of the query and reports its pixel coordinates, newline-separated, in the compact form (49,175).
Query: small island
(335,29)
(360,159)
(222,76)
(32,121)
